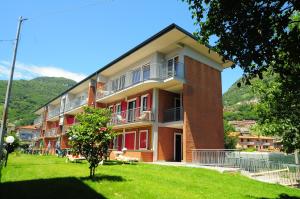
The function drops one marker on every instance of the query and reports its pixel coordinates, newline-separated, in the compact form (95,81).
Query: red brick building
(165,95)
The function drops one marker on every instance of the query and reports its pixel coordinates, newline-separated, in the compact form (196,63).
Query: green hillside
(239,102)
(28,95)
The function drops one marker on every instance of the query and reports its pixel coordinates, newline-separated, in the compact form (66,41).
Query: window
(136,76)
(115,142)
(144,104)
(120,142)
(143,139)
(146,72)
(111,108)
(131,110)
(172,66)
(130,140)
(122,82)
(115,84)
(118,109)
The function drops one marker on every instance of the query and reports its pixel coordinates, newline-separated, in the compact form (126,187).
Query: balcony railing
(51,133)
(38,120)
(53,112)
(75,104)
(173,114)
(163,72)
(130,116)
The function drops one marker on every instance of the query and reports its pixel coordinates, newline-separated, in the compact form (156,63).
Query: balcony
(173,118)
(51,133)
(131,116)
(53,113)
(142,79)
(38,120)
(73,104)
(173,114)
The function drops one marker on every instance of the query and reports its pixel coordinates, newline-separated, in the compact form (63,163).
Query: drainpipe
(155,124)
(296,156)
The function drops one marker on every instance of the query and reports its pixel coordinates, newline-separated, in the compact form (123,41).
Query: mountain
(28,95)
(239,102)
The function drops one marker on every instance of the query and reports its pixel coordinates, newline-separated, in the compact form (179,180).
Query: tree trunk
(91,172)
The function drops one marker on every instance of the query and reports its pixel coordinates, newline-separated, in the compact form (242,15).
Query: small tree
(91,136)
(229,141)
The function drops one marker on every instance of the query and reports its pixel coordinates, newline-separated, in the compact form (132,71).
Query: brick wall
(165,145)
(202,102)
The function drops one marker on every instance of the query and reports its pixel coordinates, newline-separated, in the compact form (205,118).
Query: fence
(258,168)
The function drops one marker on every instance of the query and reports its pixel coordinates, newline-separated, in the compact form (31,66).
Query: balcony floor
(174,124)
(132,124)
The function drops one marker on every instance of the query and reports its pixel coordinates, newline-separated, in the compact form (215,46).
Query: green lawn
(46,177)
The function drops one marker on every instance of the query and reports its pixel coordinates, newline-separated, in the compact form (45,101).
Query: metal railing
(75,104)
(51,132)
(130,116)
(53,112)
(258,168)
(173,114)
(164,71)
(38,120)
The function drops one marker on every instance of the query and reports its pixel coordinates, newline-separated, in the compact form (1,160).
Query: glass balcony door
(131,111)
(172,65)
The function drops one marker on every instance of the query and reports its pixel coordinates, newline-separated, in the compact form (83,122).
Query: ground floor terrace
(33,176)
(140,142)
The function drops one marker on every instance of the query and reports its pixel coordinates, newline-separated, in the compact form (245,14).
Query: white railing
(38,120)
(213,156)
(130,116)
(51,132)
(53,112)
(75,104)
(163,71)
(257,168)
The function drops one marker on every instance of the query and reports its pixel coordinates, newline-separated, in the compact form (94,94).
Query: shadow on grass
(66,188)
(98,178)
(281,196)
(116,162)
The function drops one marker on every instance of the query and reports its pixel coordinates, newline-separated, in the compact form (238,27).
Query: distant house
(243,126)
(27,134)
(259,143)
(10,127)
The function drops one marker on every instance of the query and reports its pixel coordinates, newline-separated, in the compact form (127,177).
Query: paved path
(184,164)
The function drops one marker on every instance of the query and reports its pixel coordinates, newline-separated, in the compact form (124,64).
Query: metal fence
(258,168)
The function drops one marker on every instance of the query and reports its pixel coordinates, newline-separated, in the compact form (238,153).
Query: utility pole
(8,90)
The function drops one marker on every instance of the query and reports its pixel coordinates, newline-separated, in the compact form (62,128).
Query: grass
(28,176)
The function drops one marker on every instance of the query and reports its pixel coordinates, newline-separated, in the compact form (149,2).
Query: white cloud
(29,71)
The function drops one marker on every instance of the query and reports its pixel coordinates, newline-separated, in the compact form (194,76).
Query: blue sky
(75,38)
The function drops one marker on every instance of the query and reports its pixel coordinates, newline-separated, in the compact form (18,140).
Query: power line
(4,40)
